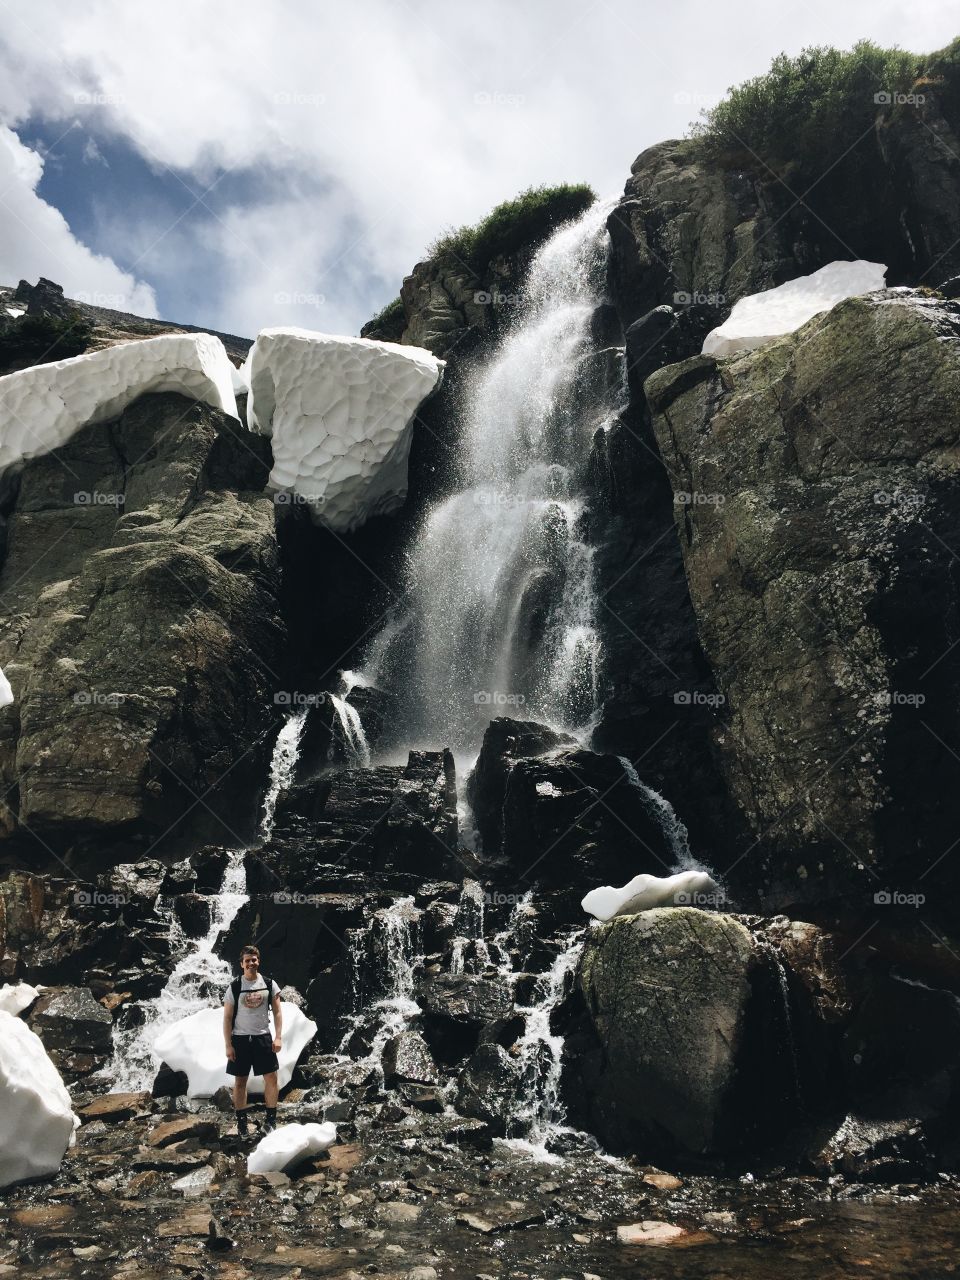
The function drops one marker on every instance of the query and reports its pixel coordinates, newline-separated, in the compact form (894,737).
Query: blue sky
(239,164)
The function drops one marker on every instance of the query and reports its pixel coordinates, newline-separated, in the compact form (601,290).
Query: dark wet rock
(832,646)
(71,1019)
(577,817)
(455,1009)
(406,1057)
(873,1150)
(179,878)
(504,742)
(169,1083)
(261,879)
(115,1108)
(210,864)
(142,650)
(488,1087)
(193,912)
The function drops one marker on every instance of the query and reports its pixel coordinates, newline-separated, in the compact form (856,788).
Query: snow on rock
(340,413)
(686,888)
(762,317)
(41,407)
(288,1145)
(195,1045)
(36,1117)
(6,693)
(17,996)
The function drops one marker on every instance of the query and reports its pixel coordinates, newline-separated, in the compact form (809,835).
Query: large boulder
(140,631)
(505,741)
(666,993)
(823,491)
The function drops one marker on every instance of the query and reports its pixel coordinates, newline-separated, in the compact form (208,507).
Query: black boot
(271,1122)
(242,1130)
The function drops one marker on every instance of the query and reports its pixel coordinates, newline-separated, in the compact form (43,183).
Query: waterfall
(200,976)
(502,619)
(675,833)
(358,749)
(540,1113)
(390,948)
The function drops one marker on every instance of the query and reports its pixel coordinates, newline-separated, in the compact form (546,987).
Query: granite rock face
(823,506)
(140,631)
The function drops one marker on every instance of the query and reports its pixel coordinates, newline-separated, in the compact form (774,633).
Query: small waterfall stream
(200,976)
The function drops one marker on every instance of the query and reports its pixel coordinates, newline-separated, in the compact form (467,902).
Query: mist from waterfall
(501,611)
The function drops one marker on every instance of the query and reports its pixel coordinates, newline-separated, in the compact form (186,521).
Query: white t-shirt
(253,1016)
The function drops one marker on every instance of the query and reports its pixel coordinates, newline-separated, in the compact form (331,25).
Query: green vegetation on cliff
(526,220)
(35,339)
(822,101)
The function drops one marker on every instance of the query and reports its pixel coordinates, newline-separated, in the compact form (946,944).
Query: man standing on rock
(246,1035)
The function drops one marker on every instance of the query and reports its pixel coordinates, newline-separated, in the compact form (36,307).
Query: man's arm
(228,1030)
(277,1023)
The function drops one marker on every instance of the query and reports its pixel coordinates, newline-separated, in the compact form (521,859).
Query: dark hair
(249,951)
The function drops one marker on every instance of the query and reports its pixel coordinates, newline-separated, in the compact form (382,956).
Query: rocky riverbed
(158,1190)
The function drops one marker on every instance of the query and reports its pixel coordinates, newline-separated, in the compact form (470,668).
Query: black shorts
(253,1053)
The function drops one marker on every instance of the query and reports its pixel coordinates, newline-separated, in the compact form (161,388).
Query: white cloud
(379,125)
(35,240)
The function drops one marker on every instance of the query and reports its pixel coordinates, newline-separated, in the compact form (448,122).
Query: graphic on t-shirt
(252,999)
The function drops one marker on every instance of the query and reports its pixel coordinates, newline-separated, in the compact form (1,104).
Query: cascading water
(502,617)
(200,976)
(675,833)
(351,729)
(540,1114)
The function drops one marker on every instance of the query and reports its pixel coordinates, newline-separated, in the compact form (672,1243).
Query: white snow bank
(6,693)
(15,311)
(764,316)
(17,996)
(288,1144)
(43,406)
(36,1117)
(340,412)
(195,1045)
(686,888)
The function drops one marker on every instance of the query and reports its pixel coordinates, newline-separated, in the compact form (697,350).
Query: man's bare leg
(240,1104)
(270,1091)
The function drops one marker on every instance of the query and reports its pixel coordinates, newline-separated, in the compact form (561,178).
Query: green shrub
(814,106)
(41,339)
(527,220)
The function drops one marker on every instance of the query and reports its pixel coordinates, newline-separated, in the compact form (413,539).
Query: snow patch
(43,406)
(288,1145)
(36,1116)
(762,317)
(641,893)
(6,693)
(17,996)
(340,413)
(195,1045)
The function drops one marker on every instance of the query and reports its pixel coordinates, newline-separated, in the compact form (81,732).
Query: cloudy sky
(239,164)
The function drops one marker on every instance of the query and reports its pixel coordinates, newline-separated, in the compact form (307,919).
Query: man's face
(251,966)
